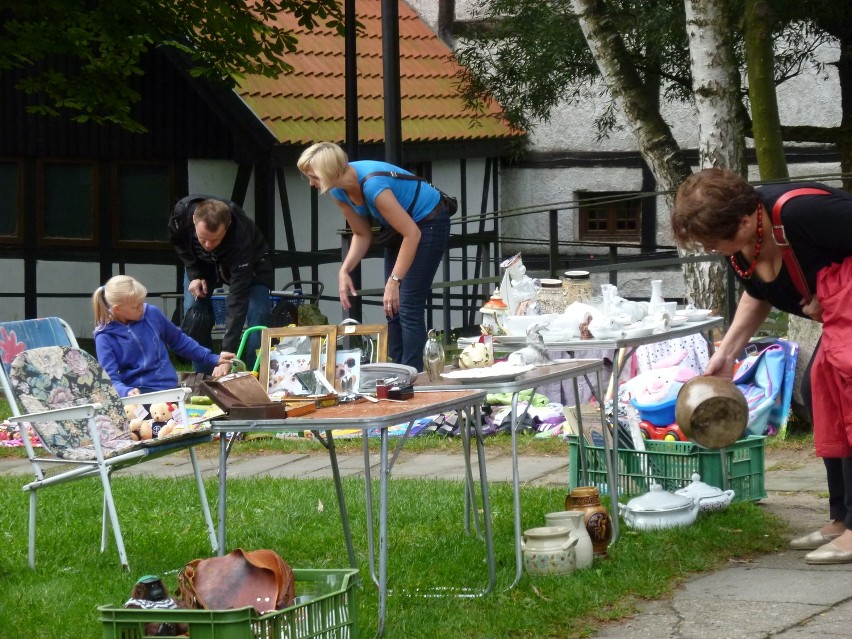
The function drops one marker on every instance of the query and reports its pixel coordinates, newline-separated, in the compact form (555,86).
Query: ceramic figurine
(535,352)
(517,288)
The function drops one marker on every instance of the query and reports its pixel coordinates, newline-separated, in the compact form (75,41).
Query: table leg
(368,505)
(486,502)
(516,491)
(383,534)
(341,500)
(469,490)
(223,471)
(611,457)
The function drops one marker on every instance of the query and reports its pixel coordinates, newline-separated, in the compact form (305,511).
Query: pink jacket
(831,372)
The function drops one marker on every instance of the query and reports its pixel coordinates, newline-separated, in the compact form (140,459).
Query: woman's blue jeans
(407,329)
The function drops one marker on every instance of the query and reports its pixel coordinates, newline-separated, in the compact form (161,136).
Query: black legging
(838,470)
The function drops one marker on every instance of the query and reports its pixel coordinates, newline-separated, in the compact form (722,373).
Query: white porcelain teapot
(476,356)
(708,497)
(658,509)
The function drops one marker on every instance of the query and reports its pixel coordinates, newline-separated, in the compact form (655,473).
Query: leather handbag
(258,578)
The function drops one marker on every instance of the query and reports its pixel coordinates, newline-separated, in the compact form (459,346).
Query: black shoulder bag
(388,236)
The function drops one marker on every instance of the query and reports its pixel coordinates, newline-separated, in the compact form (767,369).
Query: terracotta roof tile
(309,104)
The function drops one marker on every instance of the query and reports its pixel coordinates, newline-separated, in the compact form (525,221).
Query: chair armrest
(179,394)
(86,411)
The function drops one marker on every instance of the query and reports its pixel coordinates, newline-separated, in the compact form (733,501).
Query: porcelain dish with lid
(659,509)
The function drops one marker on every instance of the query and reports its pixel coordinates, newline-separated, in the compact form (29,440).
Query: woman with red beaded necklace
(717,210)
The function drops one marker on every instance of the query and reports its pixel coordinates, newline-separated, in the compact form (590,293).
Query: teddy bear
(159,425)
(161,419)
(140,428)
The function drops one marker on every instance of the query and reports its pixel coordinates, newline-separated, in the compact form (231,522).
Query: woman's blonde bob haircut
(327,160)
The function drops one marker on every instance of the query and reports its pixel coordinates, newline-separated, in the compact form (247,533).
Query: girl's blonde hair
(327,160)
(118,289)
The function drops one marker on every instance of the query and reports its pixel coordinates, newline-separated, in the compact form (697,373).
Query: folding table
(378,416)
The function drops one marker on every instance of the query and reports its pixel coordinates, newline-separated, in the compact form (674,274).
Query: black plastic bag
(198,322)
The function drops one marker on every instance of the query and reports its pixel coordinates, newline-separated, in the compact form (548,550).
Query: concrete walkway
(776,595)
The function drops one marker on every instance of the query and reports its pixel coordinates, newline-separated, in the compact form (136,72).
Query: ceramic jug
(549,550)
(595,516)
(574,520)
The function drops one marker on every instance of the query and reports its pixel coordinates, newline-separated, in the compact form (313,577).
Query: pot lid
(699,489)
(658,499)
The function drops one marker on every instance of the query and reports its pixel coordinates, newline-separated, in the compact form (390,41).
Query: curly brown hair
(709,207)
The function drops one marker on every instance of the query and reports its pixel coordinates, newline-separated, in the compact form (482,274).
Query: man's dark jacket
(241,260)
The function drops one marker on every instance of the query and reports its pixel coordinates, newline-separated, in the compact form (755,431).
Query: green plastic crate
(326,608)
(671,464)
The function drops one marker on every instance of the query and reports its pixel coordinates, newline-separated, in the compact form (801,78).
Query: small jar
(381,389)
(550,297)
(576,287)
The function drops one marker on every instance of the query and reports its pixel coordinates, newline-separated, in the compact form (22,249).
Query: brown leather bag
(258,578)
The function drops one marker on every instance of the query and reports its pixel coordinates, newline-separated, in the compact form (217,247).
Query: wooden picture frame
(287,350)
(378,333)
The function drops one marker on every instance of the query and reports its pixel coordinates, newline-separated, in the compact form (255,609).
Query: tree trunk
(766,123)
(715,83)
(844,72)
(656,142)
(704,281)
(721,141)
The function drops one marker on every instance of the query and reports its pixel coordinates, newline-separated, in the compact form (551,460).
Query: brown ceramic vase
(595,516)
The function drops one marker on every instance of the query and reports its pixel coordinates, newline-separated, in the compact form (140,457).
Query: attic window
(610,216)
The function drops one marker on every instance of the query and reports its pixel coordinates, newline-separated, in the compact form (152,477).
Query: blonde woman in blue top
(415,209)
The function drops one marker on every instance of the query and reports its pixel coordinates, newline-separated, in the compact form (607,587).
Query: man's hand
(198,288)
(226,360)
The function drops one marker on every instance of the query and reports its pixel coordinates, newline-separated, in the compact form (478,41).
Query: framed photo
(370,339)
(289,350)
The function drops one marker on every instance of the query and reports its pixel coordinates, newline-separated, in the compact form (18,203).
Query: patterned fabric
(55,377)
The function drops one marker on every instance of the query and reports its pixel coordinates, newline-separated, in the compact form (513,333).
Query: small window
(10,195)
(67,202)
(610,215)
(144,196)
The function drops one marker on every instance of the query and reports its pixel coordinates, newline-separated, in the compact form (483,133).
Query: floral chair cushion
(62,377)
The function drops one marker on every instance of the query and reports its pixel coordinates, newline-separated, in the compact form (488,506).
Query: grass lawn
(299,519)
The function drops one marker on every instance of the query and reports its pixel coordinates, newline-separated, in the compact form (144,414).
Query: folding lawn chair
(66,397)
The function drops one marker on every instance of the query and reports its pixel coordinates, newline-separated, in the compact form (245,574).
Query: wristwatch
(396,279)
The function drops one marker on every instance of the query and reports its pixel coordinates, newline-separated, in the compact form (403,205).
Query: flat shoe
(829,554)
(813,540)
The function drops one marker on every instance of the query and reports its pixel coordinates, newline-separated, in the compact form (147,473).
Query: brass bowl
(711,411)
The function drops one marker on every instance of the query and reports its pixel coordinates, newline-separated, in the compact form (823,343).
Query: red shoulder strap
(790,260)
